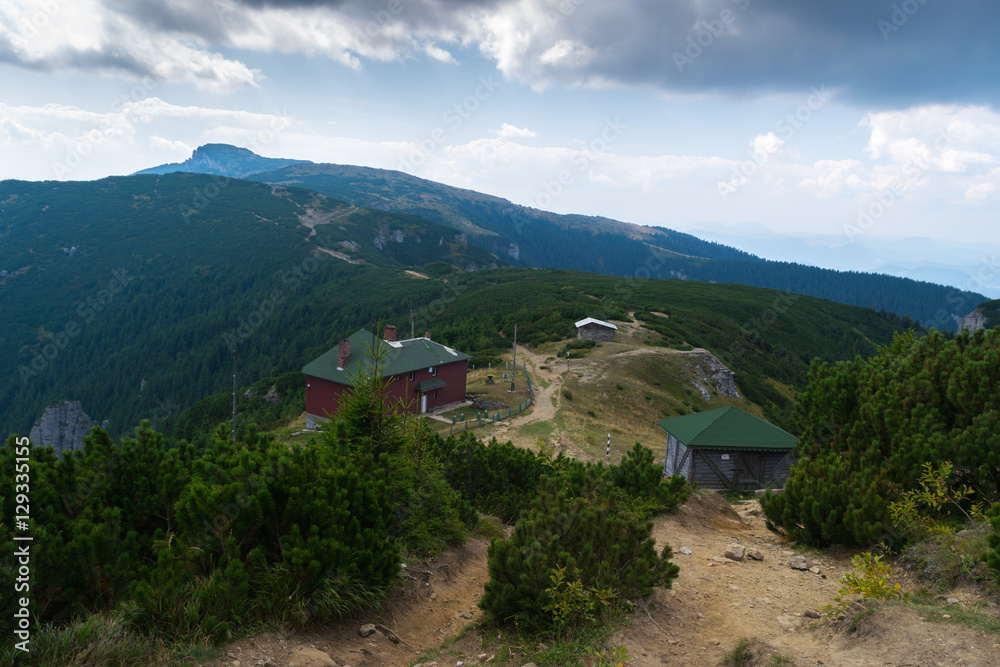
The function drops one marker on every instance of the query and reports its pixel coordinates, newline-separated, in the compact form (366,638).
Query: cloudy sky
(848,118)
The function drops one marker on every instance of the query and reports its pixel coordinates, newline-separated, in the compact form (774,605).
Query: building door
(423,403)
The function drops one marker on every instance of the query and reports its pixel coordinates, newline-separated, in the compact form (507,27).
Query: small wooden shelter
(596,330)
(727,448)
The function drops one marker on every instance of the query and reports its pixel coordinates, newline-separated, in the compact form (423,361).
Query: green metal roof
(402,357)
(427,385)
(727,428)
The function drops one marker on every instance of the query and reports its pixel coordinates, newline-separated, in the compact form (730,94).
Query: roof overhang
(428,385)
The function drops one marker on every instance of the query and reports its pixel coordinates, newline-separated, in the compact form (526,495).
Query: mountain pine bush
(871,425)
(497,478)
(577,531)
(641,478)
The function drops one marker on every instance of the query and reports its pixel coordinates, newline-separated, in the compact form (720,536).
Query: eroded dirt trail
(713,604)
(716,601)
(437,599)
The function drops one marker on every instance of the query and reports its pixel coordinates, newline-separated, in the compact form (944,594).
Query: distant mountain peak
(224,160)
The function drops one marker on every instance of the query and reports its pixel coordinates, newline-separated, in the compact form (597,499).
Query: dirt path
(435,601)
(713,604)
(716,601)
(546,399)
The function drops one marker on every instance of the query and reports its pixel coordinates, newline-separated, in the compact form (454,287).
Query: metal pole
(234,393)
(609,446)
(513,365)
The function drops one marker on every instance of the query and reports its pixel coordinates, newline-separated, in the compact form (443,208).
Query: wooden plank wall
(708,478)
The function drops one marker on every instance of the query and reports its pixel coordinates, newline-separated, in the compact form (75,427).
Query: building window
(435,393)
(433,370)
(412,374)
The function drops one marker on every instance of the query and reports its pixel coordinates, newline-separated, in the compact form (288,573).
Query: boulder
(309,657)
(367,630)
(798,563)
(755,554)
(736,552)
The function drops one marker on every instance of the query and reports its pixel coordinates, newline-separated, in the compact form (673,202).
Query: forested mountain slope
(525,236)
(127,293)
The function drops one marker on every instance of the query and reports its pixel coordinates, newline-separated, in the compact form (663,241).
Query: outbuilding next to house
(423,375)
(727,448)
(596,330)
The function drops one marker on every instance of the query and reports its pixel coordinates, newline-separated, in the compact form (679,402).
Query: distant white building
(596,330)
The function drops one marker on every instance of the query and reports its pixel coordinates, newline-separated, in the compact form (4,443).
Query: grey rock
(736,552)
(309,657)
(367,630)
(711,374)
(755,554)
(272,395)
(486,404)
(798,563)
(814,569)
(973,321)
(62,426)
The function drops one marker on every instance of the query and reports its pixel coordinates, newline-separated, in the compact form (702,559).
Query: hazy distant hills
(972,264)
(529,237)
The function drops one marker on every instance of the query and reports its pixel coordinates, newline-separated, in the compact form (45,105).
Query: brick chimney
(343,354)
(427,335)
(390,332)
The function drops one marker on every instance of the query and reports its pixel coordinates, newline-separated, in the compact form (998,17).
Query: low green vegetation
(755,653)
(872,425)
(584,550)
(576,348)
(871,579)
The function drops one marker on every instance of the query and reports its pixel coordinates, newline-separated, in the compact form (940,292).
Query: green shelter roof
(401,357)
(427,385)
(727,428)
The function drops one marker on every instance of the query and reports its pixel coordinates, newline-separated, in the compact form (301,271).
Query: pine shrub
(871,425)
(576,527)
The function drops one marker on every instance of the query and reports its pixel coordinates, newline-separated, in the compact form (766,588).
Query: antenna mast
(234,393)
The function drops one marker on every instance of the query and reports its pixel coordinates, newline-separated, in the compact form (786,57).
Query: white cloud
(831,177)
(508,131)
(85,35)
(765,145)
(567,53)
(69,142)
(985,190)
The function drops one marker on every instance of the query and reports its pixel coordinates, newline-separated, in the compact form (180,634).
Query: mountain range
(130,293)
(529,237)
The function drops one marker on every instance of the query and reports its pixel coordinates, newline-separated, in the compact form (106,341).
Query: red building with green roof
(424,374)
(727,448)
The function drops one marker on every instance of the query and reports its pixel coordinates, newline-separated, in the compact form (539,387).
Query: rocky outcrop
(709,374)
(481,403)
(973,321)
(62,426)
